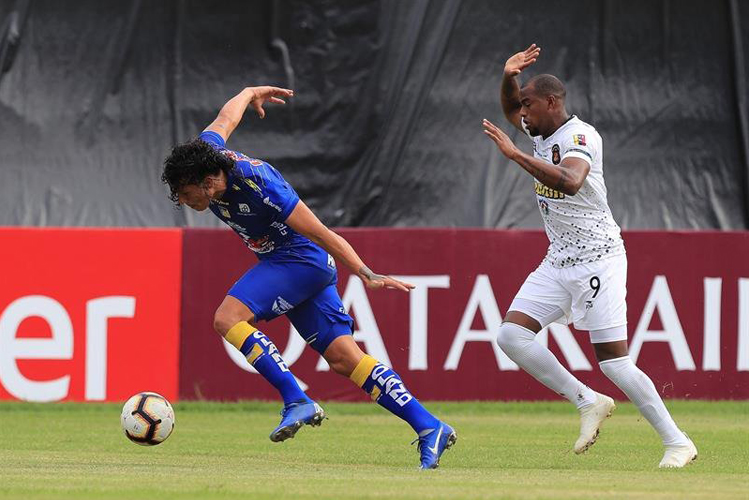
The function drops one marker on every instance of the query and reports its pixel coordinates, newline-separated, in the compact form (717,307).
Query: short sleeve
(285,198)
(212,138)
(578,143)
(266,185)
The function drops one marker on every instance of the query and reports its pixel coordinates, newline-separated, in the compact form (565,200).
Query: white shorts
(591,296)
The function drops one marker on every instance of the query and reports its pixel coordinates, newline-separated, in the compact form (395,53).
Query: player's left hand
(373,280)
(504,144)
(270,94)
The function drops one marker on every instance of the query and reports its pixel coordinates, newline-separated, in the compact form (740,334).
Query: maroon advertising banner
(687,313)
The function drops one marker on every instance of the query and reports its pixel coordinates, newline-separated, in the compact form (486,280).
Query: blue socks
(386,388)
(265,357)
(376,379)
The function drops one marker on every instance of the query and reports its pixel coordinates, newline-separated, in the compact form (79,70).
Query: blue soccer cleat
(432,445)
(294,416)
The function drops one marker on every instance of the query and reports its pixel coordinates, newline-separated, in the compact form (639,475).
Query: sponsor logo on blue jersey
(271,204)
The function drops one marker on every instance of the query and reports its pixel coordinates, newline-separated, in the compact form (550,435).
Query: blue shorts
(304,290)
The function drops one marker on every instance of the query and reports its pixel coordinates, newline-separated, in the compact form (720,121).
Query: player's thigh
(321,319)
(542,297)
(599,291)
(271,289)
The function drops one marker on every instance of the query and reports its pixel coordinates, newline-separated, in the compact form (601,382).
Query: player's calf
(639,388)
(266,359)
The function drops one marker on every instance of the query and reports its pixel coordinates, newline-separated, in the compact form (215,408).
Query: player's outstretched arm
(567,177)
(510,92)
(304,221)
(231,113)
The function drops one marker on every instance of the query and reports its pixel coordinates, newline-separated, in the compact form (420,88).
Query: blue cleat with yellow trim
(432,445)
(294,416)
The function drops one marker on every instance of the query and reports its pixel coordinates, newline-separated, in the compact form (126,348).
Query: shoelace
(287,409)
(420,441)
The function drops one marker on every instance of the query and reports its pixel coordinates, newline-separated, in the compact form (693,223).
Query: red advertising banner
(687,313)
(89,314)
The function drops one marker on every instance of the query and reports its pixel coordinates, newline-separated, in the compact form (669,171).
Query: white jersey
(580,228)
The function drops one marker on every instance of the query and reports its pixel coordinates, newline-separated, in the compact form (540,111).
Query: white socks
(641,391)
(538,361)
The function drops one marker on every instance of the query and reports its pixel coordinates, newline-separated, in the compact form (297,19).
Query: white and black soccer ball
(147,418)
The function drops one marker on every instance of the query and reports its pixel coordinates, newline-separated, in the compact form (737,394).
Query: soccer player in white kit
(582,277)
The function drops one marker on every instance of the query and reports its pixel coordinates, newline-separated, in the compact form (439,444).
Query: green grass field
(504,450)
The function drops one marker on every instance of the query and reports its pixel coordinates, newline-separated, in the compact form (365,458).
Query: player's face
(196,197)
(533,111)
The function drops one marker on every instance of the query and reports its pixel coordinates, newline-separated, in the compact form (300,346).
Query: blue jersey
(256,203)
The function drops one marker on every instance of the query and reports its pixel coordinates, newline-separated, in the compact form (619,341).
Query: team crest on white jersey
(556,154)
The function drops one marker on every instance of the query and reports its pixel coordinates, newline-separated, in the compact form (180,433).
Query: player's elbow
(572,187)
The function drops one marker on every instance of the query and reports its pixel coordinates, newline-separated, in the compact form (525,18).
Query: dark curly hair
(190,164)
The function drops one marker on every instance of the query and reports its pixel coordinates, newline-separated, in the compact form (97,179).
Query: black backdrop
(385,128)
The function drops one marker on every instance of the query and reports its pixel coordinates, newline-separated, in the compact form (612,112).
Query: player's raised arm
(304,221)
(231,113)
(510,92)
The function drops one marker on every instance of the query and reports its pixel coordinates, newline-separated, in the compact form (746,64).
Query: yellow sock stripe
(363,370)
(375,393)
(239,333)
(255,353)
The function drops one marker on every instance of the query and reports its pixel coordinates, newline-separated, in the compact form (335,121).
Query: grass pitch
(504,450)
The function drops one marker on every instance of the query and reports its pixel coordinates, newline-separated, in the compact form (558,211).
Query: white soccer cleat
(592,417)
(680,455)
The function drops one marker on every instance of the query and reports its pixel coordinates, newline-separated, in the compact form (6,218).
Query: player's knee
(225,318)
(505,337)
(224,322)
(220,324)
(513,338)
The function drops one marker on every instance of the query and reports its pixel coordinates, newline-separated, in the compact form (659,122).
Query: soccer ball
(147,418)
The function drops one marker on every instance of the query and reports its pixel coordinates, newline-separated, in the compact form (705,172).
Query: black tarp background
(385,128)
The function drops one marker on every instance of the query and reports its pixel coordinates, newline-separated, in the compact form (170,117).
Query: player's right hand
(522,60)
(267,93)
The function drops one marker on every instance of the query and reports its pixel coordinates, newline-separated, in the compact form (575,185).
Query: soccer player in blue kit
(295,275)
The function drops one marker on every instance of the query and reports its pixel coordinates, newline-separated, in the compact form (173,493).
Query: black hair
(545,85)
(190,164)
